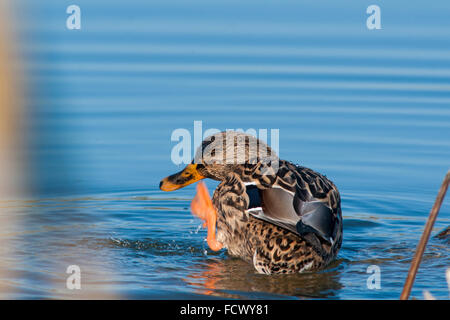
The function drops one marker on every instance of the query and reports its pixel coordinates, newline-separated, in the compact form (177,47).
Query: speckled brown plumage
(273,249)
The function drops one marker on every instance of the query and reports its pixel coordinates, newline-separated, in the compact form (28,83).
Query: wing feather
(295,212)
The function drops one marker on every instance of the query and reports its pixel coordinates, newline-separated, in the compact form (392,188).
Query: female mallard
(281,217)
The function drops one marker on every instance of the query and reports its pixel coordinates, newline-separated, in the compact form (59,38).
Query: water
(370,109)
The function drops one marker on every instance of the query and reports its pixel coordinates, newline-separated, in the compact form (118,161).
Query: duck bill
(181,179)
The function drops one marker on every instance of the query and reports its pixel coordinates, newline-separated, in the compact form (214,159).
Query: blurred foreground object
(10,110)
(11,181)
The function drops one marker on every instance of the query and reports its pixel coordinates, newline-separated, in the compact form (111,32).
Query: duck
(279,216)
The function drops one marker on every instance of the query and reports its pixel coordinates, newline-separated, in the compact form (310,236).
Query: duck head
(218,156)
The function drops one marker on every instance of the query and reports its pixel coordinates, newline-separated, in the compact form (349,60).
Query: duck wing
(291,204)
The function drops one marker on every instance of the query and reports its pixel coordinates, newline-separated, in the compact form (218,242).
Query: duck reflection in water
(234,278)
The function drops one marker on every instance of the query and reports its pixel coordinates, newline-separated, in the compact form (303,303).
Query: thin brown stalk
(424,239)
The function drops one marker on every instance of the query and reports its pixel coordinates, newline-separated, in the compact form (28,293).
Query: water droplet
(198,229)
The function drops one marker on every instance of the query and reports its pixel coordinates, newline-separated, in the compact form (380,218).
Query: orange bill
(202,207)
(181,179)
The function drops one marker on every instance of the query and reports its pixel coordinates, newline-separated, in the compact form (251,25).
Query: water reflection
(234,278)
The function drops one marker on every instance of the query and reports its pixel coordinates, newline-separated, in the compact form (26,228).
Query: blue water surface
(368,108)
